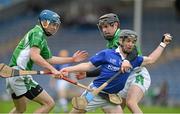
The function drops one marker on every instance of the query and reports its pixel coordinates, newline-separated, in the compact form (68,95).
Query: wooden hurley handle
(84,87)
(99,89)
(6,71)
(25,72)
(31,72)
(76,83)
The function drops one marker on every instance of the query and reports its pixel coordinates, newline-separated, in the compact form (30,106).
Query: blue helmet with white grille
(50,16)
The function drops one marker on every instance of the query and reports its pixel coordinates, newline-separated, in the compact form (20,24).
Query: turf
(6,106)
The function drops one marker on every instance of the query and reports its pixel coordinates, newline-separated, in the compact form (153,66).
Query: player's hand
(46,71)
(80,75)
(80,56)
(125,66)
(167,38)
(64,72)
(56,74)
(60,76)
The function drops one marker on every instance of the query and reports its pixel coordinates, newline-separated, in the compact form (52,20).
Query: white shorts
(20,84)
(97,102)
(139,77)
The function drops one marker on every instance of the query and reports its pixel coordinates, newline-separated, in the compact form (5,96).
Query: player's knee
(130,103)
(50,104)
(113,110)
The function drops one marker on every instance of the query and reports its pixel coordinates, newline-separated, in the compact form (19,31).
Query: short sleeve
(36,39)
(45,51)
(137,62)
(98,59)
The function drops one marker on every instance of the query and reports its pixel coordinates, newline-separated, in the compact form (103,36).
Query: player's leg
(123,93)
(123,104)
(116,109)
(62,95)
(20,104)
(98,102)
(16,88)
(106,106)
(24,86)
(135,94)
(46,101)
(140,82)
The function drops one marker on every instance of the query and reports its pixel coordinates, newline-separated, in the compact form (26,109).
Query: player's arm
(82,67)
(97,61)
(152,58)
(60,60)
(39,60)
(94,73)
(126,65)
(77,57)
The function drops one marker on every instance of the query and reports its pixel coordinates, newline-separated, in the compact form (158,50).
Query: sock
(63,103)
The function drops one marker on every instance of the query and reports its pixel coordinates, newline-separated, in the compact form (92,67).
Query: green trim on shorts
(139,79)
(29,83)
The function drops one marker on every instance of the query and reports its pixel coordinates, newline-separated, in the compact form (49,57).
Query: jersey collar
(118,51)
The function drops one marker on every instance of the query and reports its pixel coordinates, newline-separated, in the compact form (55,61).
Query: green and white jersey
(21,55)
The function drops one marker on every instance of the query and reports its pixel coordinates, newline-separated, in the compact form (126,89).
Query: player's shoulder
(37,30)
(104,52)
(139,58)
(108,50)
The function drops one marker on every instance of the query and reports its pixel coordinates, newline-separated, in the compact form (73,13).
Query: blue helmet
(50,16)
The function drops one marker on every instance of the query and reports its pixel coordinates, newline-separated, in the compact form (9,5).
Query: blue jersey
(60,66)
(110,61)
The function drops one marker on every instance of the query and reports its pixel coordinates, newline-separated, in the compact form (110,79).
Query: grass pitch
(6,106)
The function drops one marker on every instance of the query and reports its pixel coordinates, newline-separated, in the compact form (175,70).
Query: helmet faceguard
(50,17)
(126,33)
(110,19)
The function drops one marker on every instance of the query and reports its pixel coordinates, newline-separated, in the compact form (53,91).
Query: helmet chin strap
(46,32)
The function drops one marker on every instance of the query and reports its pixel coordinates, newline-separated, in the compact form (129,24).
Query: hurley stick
(6,72)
